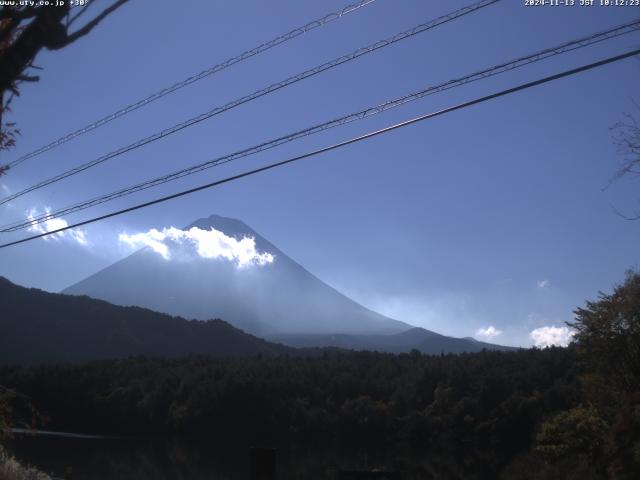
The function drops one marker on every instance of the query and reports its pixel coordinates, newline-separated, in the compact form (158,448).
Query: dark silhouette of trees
(38,326)
(608,333)
(483,407)
(608,345)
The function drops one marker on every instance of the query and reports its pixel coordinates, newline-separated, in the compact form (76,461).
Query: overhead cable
(257,94)
(279,40)
(336,146)
(359,115)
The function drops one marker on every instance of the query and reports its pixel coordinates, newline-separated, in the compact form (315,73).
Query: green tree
(608,333)
(576,431)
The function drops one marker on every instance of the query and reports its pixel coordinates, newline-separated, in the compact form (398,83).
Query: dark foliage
(44,327)
(483,406)
(608,333)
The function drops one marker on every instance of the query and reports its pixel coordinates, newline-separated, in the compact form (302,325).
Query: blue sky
(490,216)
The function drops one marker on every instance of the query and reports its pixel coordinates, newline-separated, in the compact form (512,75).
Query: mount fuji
(219,267)
(178,273)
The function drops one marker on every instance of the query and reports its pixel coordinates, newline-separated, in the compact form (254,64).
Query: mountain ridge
(39,326)
(417,338)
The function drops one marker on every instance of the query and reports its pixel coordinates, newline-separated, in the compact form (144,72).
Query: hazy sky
(487,222)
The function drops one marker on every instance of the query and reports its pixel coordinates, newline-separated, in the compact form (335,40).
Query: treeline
(483,407)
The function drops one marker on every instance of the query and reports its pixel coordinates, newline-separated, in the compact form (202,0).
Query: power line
(257,94)
(522,61)
(194,78)
(360,138)
(365,113)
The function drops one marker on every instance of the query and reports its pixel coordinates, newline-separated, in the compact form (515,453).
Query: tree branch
(626,217)
(8,27)
(93,23)
(26,12)
(45,29)
(28,78)
(79,14)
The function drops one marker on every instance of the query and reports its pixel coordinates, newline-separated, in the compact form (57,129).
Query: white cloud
(544,283)
(50,224)
(152,239)
(206,243)
(549,336)
(488,333)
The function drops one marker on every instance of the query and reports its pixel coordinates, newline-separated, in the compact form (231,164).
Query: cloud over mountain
(209,243)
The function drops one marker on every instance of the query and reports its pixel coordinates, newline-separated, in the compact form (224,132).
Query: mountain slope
(420,339)
(37,326)
(278,298)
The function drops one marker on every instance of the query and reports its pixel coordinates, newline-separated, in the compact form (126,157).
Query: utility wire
(336,146)
(257,94)
(194,78)
(374,110)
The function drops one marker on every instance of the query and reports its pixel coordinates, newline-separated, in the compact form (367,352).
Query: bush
(11,469)
(576,431)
